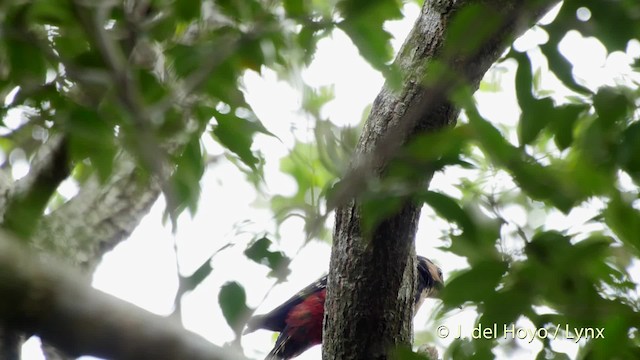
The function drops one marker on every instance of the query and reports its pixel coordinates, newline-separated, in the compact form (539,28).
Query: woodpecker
(299,319)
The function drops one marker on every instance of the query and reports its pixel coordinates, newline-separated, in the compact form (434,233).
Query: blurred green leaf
(277,261)
(363,22)
(90,136)
(524,80)
(628,151)
(295,8)
(26,62)
(624,220)
(236,134)
(192,281)
(540,182)
(536,114)
(51,12)
(185,179)
(187,9)
(247,10)
(233,302)
(611,105)
(475,284)
(154,90)
(375,207)
(471,28)
(449,209)
(561,67)
(564,122)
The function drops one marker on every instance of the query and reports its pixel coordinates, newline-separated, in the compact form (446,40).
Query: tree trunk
(371,279)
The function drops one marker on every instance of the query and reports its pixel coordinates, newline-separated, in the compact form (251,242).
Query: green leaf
(624,220)
(629,151)
(154,90)
(611,105)
(223,82)
(375,207)
(187,10)
(186,178)
(295,8)
(90,136)
(503,307)
(524,80)
(563,124)
(561,67)
(24,209)
(27,66)
(548,246)
(233,302)
(277,261)
(598,140)
(191,282)
(51,12)
(535,117)
(540,182)
(449,209)
(246,10)
(363,23)
(475,284)
(236,134)
(185,59)
(314,100)
(470,29)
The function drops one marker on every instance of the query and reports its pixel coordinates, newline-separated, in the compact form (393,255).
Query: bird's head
(430,281)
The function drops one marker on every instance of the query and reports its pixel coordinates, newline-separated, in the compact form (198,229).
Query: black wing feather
(275,320)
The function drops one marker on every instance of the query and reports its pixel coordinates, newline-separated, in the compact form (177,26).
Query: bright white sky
(142,269)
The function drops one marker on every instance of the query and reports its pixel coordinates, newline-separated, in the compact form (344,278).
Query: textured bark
(32,192)
(370,290)
(99,217)
(52,301)
(48,169)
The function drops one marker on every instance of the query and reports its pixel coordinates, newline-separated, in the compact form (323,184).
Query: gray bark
(99,217)
(49,299)
(369,295)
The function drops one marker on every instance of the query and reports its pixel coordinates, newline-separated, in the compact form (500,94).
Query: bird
(299,319)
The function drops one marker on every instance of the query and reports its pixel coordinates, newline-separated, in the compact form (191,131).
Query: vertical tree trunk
(370,290)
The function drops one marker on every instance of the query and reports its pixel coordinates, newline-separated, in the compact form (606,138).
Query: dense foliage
(149,79)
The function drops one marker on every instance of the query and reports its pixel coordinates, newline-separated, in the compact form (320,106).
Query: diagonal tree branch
(26,199)
(50,300)
(21,204)
(99,216)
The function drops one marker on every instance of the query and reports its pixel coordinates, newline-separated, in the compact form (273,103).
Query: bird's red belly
(305,320)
